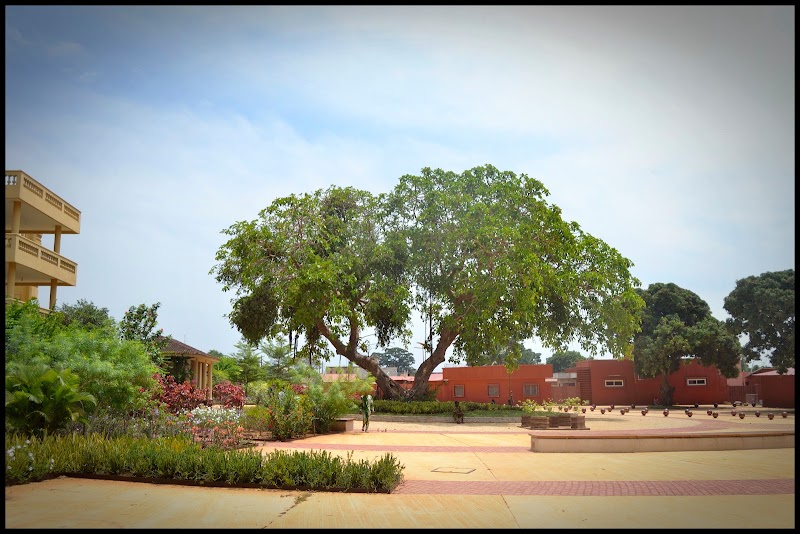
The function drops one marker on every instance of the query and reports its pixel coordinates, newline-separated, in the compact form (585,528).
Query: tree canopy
(481,255)
(676,325)
(85,314)
(563,360)
(522,355)
(396,357)
(762,308)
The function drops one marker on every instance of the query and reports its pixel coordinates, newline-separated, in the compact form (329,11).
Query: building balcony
(37,265)
(41,209)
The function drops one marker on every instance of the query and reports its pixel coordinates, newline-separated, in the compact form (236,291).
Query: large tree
(396,357)
(563,360)
(481,254)
(677,325)
(324,267)
(493,261)
(762,308)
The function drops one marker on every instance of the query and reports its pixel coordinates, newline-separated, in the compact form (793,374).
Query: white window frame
(526,388)
(614,383)
(496,390)
(696,381)
(458,391)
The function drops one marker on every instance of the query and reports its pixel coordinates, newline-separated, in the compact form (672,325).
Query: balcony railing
(21,186)
(40,263)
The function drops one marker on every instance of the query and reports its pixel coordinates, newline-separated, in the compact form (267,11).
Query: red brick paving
(636,488)
(592,488)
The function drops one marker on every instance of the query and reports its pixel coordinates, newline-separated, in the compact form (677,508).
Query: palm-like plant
(41,400)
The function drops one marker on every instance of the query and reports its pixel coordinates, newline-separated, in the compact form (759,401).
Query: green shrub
(40,400)
(33,459)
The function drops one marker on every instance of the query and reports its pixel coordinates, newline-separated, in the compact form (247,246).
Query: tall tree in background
(139,324)
(227,368)
(85,314)
(526,355)
(563,360)
(249,363)
(762,308)
(676,325)
(481,254)
(396,357)
(493,261)
(280,359)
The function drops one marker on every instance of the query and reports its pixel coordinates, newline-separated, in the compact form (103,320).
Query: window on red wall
(695,381)
(494,390)
(458,391)
(614,383)
(530,390)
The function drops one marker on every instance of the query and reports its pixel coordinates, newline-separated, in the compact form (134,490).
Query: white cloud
(666,132)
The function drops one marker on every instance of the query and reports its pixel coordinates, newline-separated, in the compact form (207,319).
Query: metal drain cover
(462,470)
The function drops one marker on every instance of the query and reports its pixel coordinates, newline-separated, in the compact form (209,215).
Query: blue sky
(667,132)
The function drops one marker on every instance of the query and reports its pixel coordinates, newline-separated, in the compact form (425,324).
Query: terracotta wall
(476,382)
(645,391)
(776,391)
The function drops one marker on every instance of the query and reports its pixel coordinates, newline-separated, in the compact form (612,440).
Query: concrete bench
(342,424)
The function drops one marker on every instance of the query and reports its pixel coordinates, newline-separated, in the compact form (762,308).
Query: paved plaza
(475,475)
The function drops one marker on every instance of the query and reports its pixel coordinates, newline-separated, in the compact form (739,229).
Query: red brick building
(773,389)
(493,382)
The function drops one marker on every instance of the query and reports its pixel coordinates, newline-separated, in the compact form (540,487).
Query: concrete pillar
(16,216)
(11,279)
(57,240)
(53,289)
(210,379)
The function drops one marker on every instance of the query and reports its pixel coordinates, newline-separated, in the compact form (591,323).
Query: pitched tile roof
(176,347)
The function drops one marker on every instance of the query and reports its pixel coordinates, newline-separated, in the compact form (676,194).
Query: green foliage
(41,400)
(677,325)
(112,370)
(290,415)
(280,359)
(332,399)
(179,458)
(314,259)
(396,357)
(563,360)
(762,308)
(139,324)
(86,315)
(482,254)
(227,368)
(249,363)
(24,322)
(494,261)
(513,353)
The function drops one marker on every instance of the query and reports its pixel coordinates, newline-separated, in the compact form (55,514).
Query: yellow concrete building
(33,210)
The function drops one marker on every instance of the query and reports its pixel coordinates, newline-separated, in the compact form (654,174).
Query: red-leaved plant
(176,396)
(229,395)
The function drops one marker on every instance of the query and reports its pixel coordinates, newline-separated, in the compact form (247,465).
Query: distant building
(197,364)
(31,211)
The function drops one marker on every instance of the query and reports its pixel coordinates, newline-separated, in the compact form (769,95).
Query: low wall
(342,424)
(547,442)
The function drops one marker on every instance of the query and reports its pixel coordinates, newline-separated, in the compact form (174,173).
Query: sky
(666,131)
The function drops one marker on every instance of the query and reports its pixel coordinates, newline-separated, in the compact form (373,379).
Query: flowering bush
(218,427)
(229,395)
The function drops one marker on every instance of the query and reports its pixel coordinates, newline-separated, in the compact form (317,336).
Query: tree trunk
(388,388)
(666,391)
